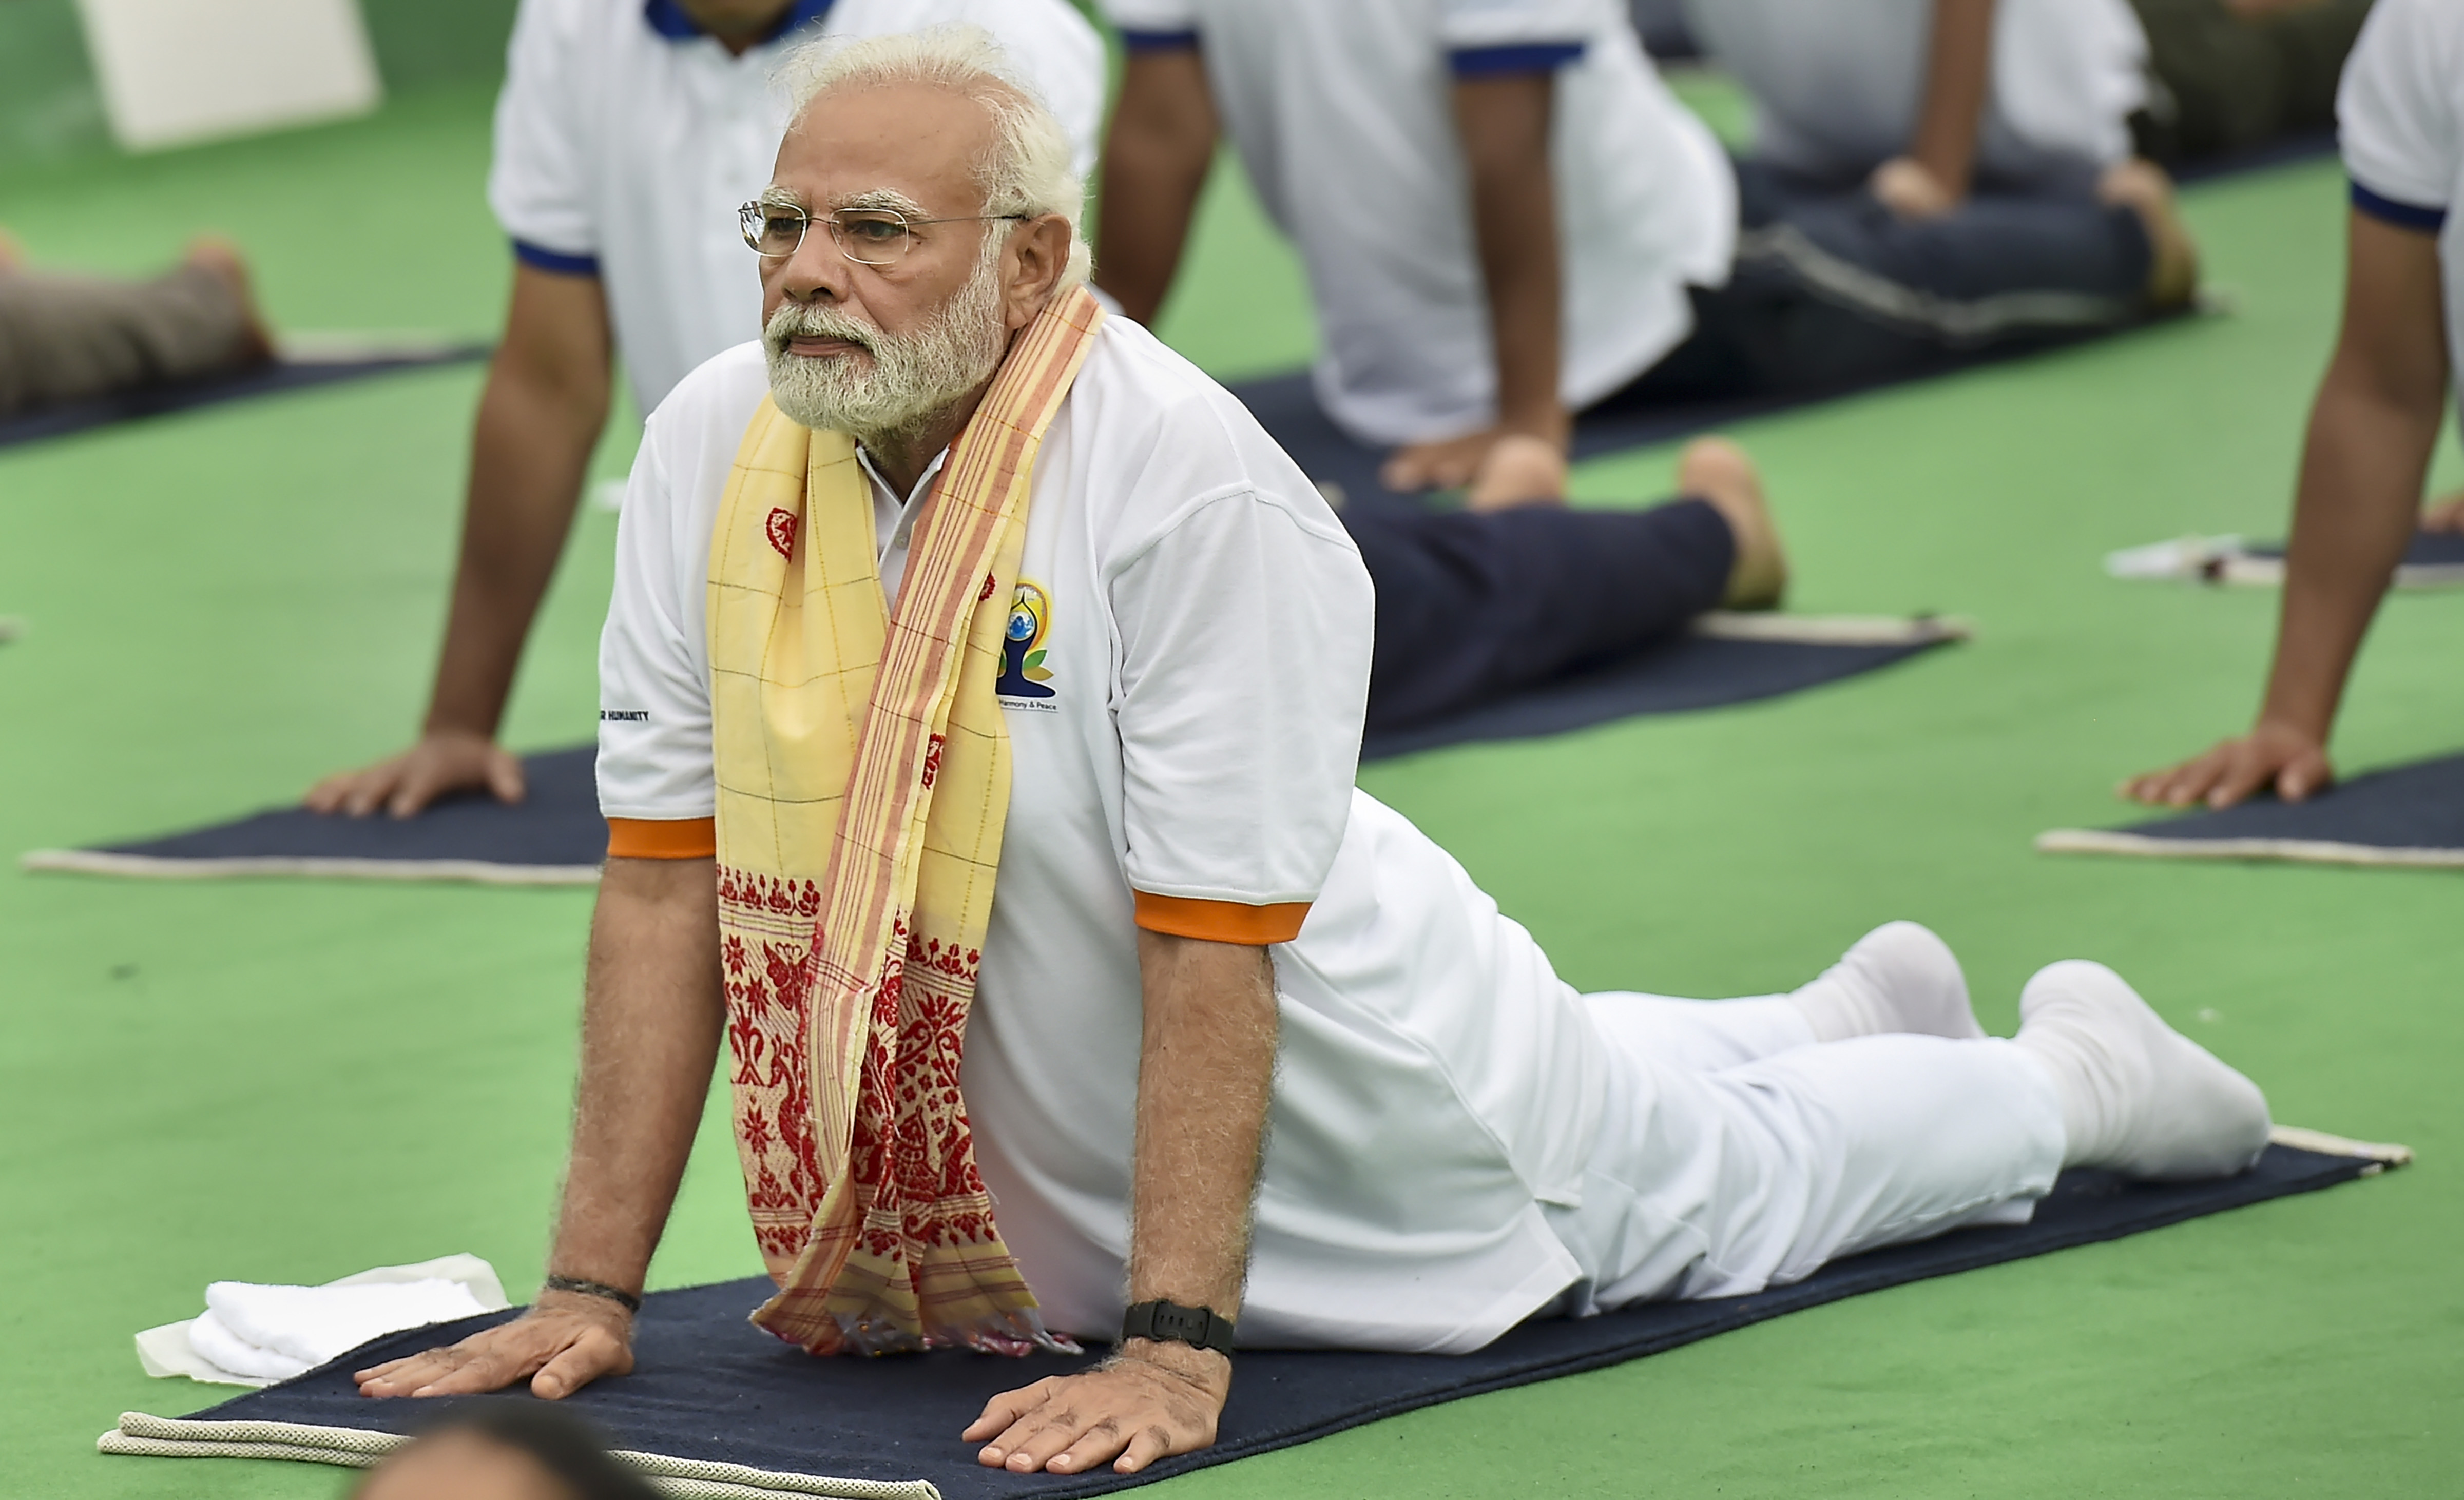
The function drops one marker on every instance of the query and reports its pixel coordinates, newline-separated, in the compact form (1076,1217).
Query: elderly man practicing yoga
(982,691)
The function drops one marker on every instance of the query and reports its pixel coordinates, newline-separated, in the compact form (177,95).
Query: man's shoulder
(715,401)
(1148,391)
(1171,438)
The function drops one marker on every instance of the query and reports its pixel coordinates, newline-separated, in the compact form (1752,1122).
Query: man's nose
(816,271)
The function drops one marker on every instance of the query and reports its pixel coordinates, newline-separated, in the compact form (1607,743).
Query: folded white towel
(254,1334)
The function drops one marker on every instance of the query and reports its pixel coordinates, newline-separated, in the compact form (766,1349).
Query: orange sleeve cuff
(1221,920)
(653,838)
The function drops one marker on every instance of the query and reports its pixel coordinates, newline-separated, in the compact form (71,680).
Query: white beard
(908,380)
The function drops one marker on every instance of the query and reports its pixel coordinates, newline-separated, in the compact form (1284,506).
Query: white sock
(1899,978)
(2138,1096)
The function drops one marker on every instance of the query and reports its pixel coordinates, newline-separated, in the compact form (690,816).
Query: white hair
(1027,169)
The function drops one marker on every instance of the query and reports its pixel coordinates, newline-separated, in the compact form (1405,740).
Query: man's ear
(1038,252)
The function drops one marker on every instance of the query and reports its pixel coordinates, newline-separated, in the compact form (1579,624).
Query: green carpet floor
(287,1082)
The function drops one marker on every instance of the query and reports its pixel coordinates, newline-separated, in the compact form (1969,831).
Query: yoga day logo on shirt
(1023,673)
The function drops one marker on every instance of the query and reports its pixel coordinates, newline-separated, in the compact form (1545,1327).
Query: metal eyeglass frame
(752,215)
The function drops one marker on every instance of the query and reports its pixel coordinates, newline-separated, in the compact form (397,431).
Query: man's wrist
(1553,424)
(1208,1368)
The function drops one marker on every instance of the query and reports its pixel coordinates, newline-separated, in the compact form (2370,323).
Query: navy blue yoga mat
(2407,816)
(552,836)
(155,401)
(712,1388)
(556,835)
(1684,673)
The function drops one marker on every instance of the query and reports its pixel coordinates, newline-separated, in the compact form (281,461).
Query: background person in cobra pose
(627,133)
(2378,410)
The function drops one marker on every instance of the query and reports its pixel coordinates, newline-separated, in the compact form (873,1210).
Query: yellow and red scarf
(863,785)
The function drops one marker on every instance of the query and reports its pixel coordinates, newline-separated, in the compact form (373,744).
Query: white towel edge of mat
(139,866)
(2380,1154)
(356,1448)
(2308,851)
(1834,630)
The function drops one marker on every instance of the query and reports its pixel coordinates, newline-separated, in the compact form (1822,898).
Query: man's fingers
(1048,1438)
(505,776)
(1097,1445)
(586,1360)
(402,1377)
(1004,1409)
(368,790)
(1147,1445)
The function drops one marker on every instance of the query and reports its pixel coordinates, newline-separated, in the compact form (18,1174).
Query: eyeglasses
(867,236)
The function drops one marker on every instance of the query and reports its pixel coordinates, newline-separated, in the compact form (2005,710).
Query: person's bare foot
(2141,186)
(2446,513)
(222,259)
(1717,471)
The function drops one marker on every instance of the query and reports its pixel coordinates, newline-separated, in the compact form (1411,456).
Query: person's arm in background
(1156,154)
(1933,175)
(1504,122)
(540,418)
(2371,431)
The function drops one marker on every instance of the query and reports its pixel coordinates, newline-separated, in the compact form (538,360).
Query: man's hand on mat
(1150,1401)
(444,761)
(2446,513)
(561,1344)
(2291,762)
(1908,188)
(1499,468)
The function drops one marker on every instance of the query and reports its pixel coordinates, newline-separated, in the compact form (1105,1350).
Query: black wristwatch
(1202,1326)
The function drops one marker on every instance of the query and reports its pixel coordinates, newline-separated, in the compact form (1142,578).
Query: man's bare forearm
(1959,70)
(1504,122)
(1205,1075)
(2362,465)
(1155,158)
(652,1014)
(2362,473)
(540,417)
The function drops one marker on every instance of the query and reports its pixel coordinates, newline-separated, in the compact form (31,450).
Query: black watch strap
(1202,1326)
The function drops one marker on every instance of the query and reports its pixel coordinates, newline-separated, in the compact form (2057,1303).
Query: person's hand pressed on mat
(444,762)
(563,1343)
(2371,428)
(1497,468)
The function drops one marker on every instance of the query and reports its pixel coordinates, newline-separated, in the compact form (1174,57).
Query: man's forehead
(859,145)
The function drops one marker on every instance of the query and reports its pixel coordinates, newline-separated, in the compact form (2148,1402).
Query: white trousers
(1735,1153)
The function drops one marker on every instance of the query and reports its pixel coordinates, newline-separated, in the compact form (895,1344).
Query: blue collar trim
(670,20)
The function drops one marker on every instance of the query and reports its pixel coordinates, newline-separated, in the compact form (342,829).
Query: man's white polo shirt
(2401,117)
(1837,84)
(1342,111)
(1183,757)
(625,140)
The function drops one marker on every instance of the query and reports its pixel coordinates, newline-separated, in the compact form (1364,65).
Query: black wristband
(595,1289)
(1170,1321)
